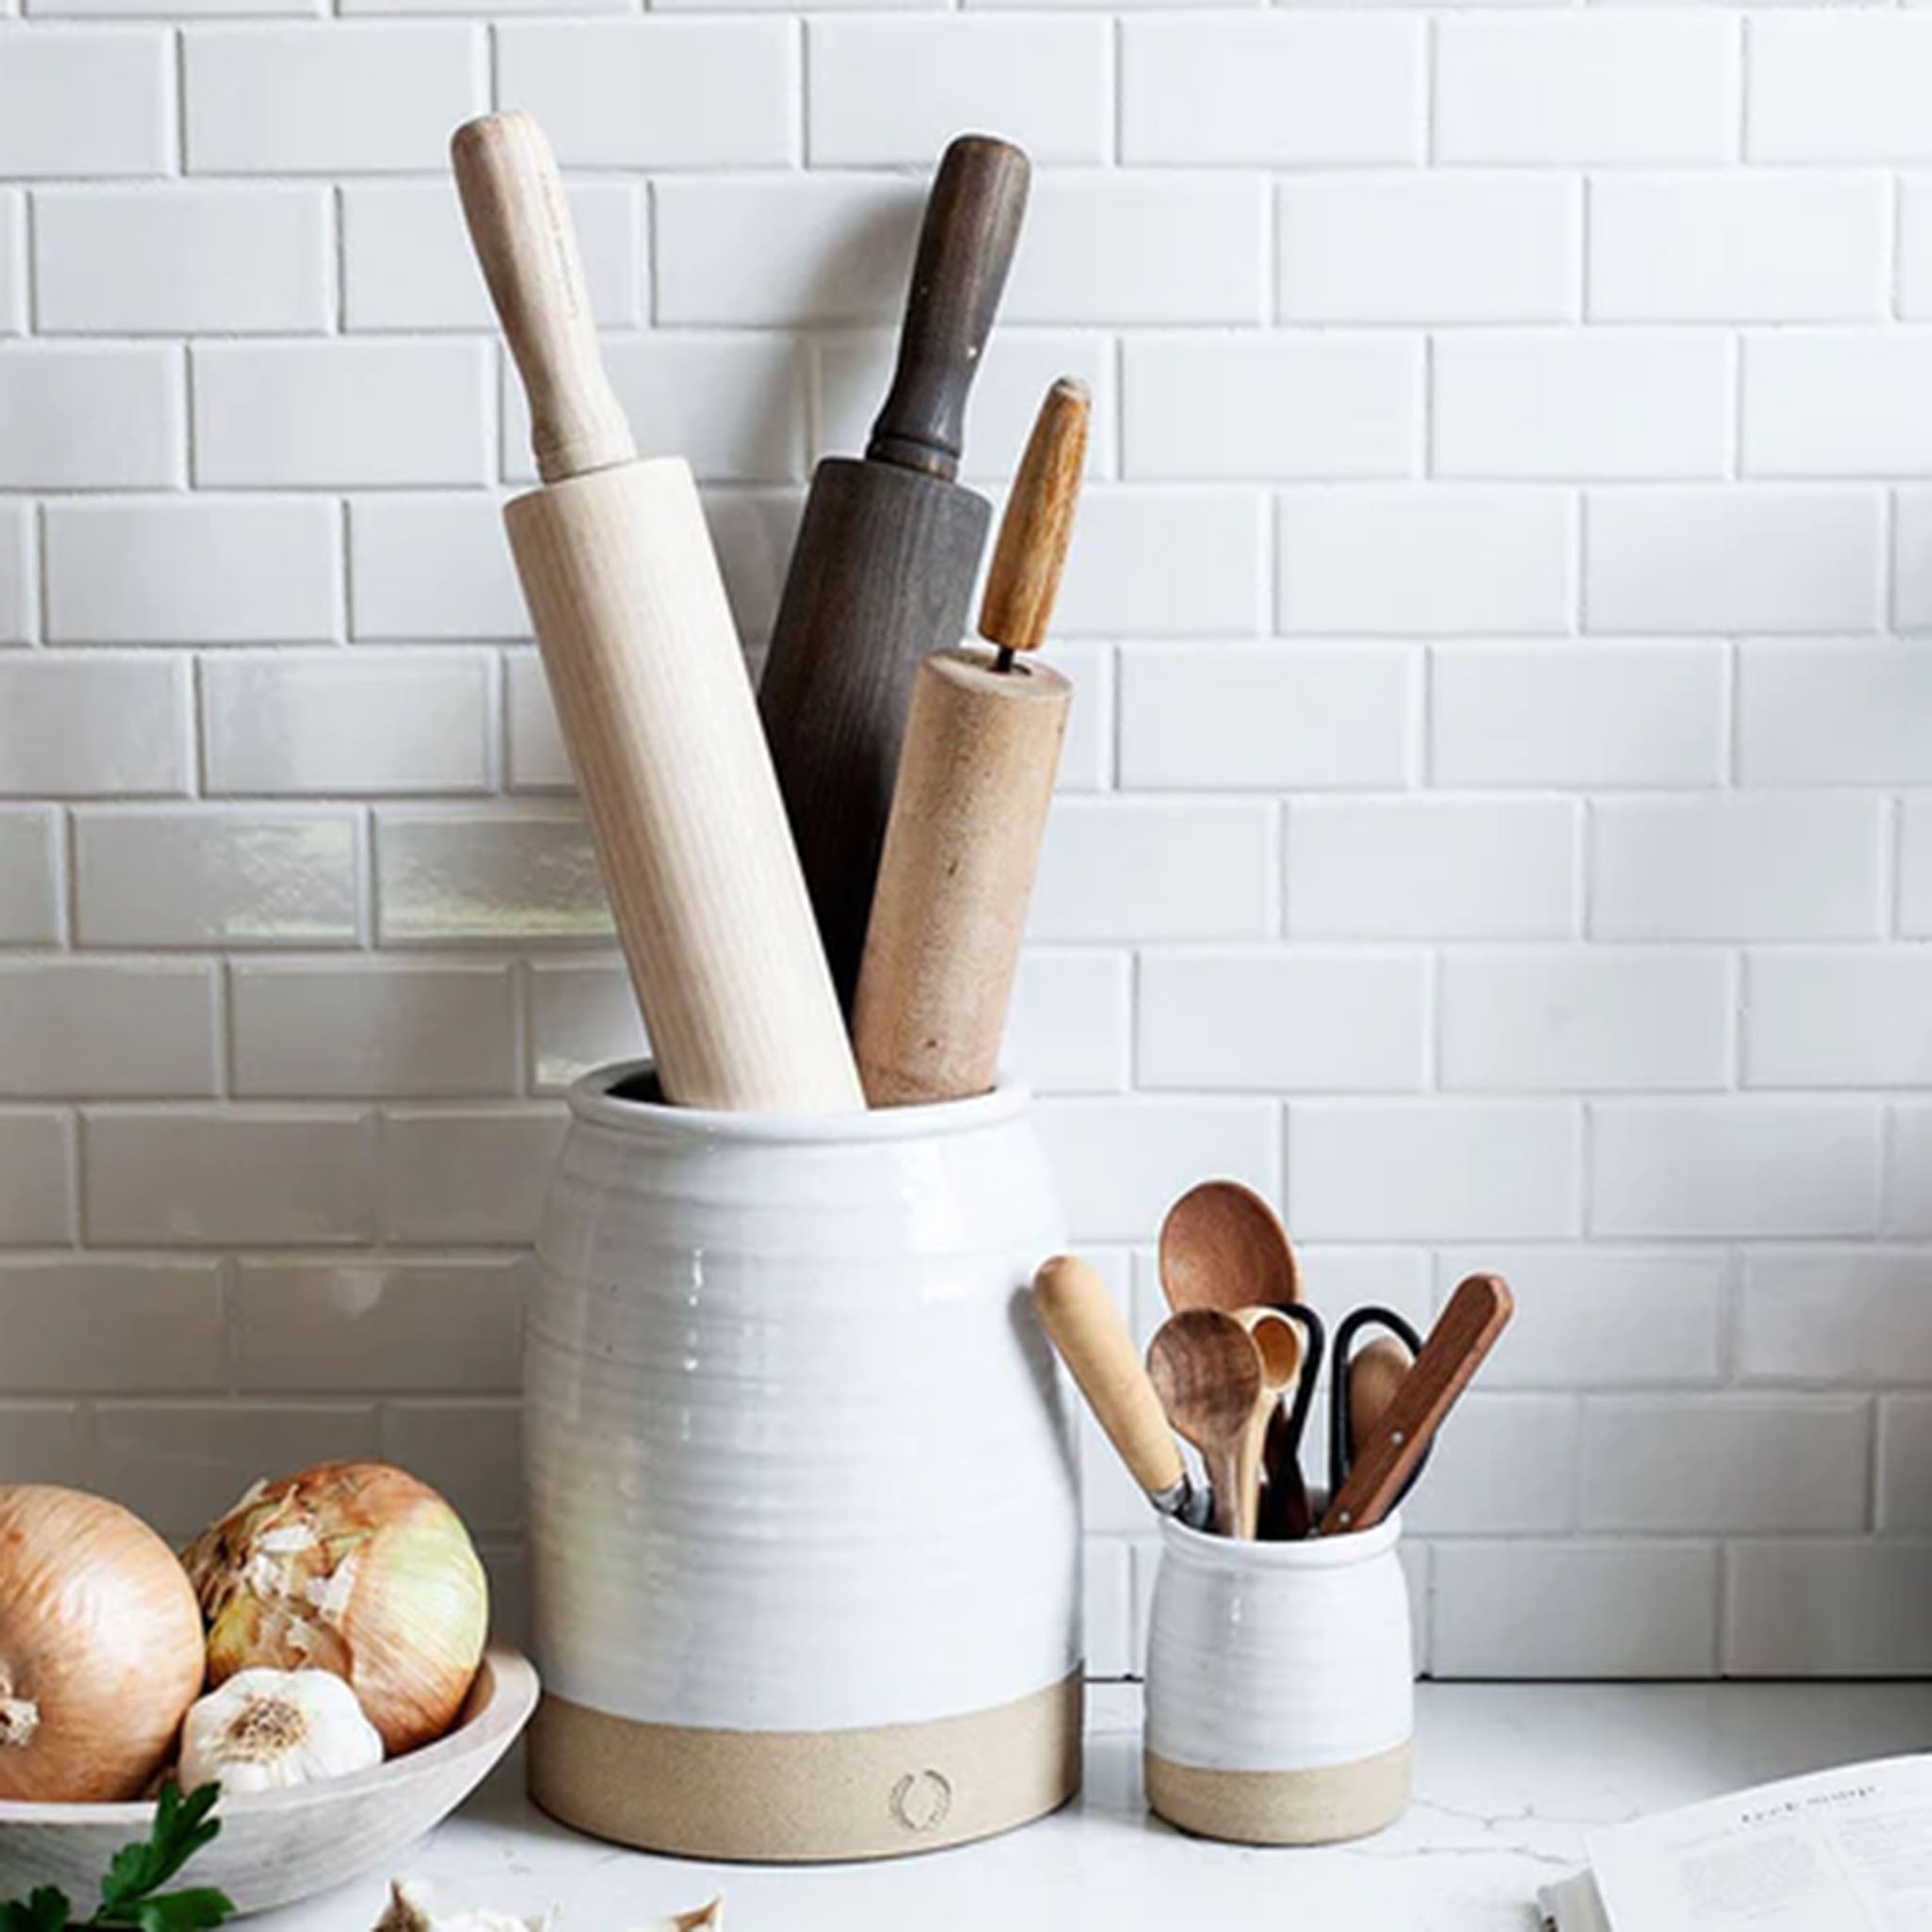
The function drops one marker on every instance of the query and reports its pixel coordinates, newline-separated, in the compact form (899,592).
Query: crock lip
(592,1101)
(1205,1551)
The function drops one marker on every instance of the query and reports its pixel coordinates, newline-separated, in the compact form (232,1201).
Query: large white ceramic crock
(804,1504)
(1280,1686)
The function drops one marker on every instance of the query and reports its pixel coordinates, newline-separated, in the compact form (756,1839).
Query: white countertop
(1509,1780)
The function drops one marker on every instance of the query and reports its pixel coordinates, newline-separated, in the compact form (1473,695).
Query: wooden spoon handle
(1464,1333)
(1087,1329)
(521,227)
(965,248)
(1024,578)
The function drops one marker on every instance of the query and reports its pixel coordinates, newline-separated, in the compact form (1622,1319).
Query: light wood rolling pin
(650,684)
(969,810)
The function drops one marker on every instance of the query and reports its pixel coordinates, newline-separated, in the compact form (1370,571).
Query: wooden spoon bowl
(1222,1246)
(1207,1371)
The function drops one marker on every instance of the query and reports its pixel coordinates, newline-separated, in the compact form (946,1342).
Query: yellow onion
(355,1568)
(100,1648)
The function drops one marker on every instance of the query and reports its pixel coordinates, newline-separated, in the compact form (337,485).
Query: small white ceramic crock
(804,1503)
(1280,1686)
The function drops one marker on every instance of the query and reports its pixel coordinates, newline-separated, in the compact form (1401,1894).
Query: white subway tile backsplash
(181,258)
(170,1178)
(1433,1170)
(1834,1607)
(30,871)
(1732,559)
(370,1326)
(1838,85)
(1288,89)
(1550,88)
(1287,1022)
(407,264)
(340,413)
(468,1177)
(1837,403)
(1069,1029)
(472,1452)
(1736,1168)
(181,1467)
(1748,866)
(1567,715)
(1267,718)
(80,101)
(508,876)
(90,416)
(1904,1465)
(1314,405)
(1756,244)
(253,878)
(76,1028)
(582,1014)
(36,1178)
(1508,1467)
(19,572)
(1757,1464)
(1585,1018)
(1625,403)
(1909,1171)
(536,755)
(1576,1609)
(1137,246)
(1420,247)
(86,1325)
(1126,868)
(328,99)
(1408,868)
(1853,1316)
(192,569)
(1605,1317)
(1426,560)
(1855,1017)
(1122,1162)
(1164,563)
(892,90)
(343,1029)
(288,722)
(47,1442)
(655,93)
(1840,713)
(437,567)
(74,727)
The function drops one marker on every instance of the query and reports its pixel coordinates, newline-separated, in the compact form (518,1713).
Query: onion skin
(355,1568)
(100,1648)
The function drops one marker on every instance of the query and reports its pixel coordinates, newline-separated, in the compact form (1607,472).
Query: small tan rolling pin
(1087,1327)
(969,810)
(650,685)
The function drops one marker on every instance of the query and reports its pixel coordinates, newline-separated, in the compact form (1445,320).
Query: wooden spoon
(1374,1376)
(1470,1321)
(1206,1369)
(1222,1246)
(1280,1343)
(1087,1327)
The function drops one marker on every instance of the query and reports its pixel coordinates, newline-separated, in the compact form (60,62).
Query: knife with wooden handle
(650,684)
(887,553)
(1465,1331)
(969,809)
(1087,1329)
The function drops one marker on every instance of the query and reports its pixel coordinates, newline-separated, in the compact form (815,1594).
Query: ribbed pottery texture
(798,1455)
(1280,1657)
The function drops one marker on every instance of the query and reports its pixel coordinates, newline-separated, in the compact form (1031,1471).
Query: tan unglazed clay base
(1282,1808)
(802,1796)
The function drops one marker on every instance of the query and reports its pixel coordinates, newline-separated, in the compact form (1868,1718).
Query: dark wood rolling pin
(643,662)
(887,554)
(968,812)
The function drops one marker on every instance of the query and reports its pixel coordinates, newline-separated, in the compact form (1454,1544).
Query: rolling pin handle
(965,248)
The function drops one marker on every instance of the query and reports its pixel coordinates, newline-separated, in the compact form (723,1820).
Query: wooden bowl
(277,1847)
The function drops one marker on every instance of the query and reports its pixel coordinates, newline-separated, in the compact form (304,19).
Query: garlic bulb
(410,1911)
(267,1730)
(356,1569)
(100,1648)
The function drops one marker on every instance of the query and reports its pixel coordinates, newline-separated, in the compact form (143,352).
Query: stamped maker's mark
(922,1800)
